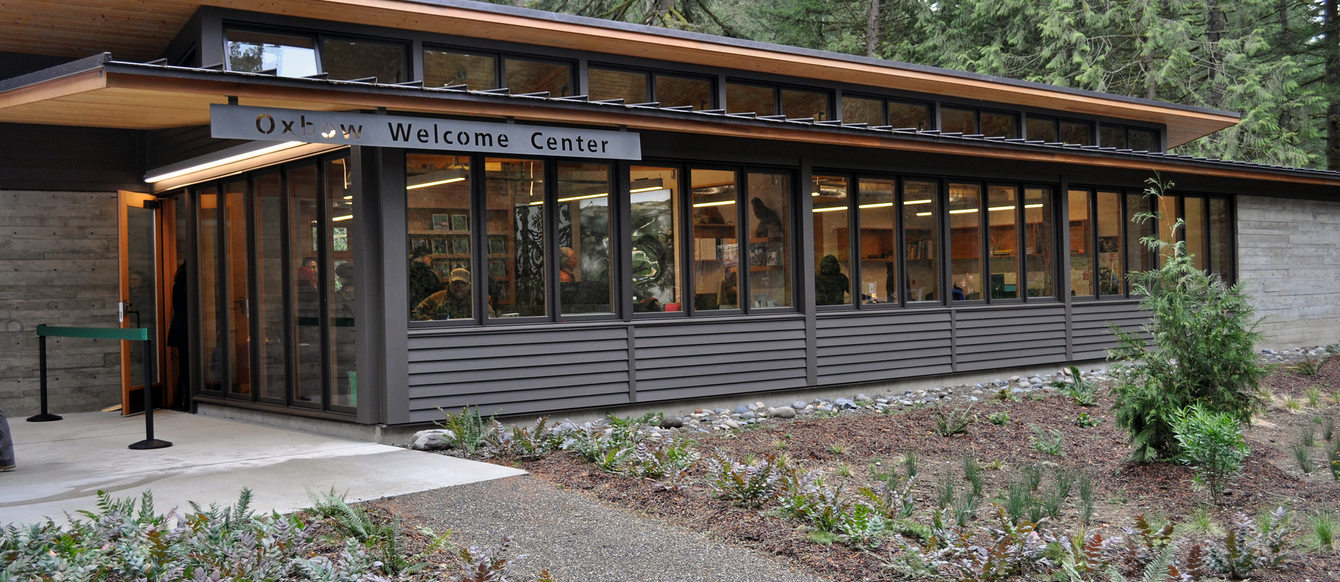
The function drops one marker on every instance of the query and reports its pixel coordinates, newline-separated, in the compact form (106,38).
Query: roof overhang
(97,92)
(140,31)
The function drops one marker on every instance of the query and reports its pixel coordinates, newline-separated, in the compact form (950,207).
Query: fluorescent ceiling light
(1038,205)
(923,214)
(436,183)
(339,218)
(647,189)
(227,156)
(875,205)
(963,211)
(587,197)
(911,202)
(995,208)
(830,209)
(721,203)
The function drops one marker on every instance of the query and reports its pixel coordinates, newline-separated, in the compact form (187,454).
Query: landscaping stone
(782,412)
(436,439)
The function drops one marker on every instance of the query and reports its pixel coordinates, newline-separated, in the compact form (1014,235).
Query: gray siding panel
(718,357)
(882,345)
(515,371)
(1091,326)
(1009,337)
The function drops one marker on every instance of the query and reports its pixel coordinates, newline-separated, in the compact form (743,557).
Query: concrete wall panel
(1289,260)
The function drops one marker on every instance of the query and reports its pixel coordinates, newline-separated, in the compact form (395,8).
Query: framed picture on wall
(441,222)
(497,268)
(497,244)
(460,221)
(460,245)
(1108,244)
(417,243)
(439,246)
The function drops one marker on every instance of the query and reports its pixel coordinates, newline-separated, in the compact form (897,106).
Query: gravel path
(578,539)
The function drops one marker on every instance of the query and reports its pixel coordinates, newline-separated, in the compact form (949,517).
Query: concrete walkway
(63,464)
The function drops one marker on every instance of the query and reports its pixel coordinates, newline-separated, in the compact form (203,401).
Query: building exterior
(365,211)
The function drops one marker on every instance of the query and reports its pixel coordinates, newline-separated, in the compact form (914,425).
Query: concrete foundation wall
(1289,259)
(58,266)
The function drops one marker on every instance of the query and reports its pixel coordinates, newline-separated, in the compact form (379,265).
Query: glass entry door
(140,303)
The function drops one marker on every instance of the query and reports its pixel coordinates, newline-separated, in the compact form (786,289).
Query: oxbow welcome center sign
(396,131)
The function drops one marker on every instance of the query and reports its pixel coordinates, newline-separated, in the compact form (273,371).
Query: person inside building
(567,265)
(454,302)
(830,284)
(423,280)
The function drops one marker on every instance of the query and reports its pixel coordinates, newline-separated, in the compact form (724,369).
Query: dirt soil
(845,446)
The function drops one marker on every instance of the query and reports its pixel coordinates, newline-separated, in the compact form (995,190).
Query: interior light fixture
(829,209)
(720,203)
(225,157)
(912,202)
(435,183)
(996,208)
(1038,205)
(340,218)
(963,211)
(647,189)
(923,214)
(875,205)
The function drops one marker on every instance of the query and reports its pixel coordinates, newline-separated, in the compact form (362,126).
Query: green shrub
(471,430)
(745,484)
(1202,333)
(1053,444)
(999,418)
(953,421)
(1212,443)
(1084,392)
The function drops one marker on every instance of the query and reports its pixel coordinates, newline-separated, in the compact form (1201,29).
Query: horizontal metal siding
(1009,337)
(517,371)
(1091,326)
(871,347)
(719,357)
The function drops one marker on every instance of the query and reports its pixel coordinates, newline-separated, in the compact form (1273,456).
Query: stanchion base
(43,418)
(150,444)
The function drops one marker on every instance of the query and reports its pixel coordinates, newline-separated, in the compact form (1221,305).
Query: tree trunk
(871,28)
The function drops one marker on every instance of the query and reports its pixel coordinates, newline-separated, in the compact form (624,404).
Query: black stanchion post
(42,366)
(149,441)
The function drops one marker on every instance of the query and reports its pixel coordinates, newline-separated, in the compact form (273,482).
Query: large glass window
(654,200)
(955,120)
(536,76)
(1221,239)
(288,55)
(879,241)
(1042,128)
(769,228)
(797,104)
(443,68)
(438,221)
(514,199)
(997,124)
(339,279)
(631,86)
(921,227)
(832,240)
(584,230)
(676,91)
(358,59)
(212,315)
(1110,219)
(1195,231)
(304,253)
(1002,217)
(1081,235)
(1167,219)
(1112,136)
(272,379)
(742,98)
(905,115)
(238,317)
(1138,256)
(965,241)
(1076,132)
(862,110)
(1144,140)
(1039,240)
(715,248)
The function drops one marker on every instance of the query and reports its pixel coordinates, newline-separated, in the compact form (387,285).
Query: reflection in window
(1195,231)
(1221,238)
(769,229)
(653,196)
(358,59)
(996,124)
(1138,256)
(235,272)
(862,110)
(832,240)
(212,315)
(437,201)
(716,253)
(288,55)
(1111,137)
(758,99)
(955,120)
(1002,207)
(1076,132)
(920,232)
(584,282)
(1144,140)
(443,68)
(1167,219)
(1110,218)
(534,76)
(797,104)
(675,91)
(304,250)
(910,115)
(514,191)
(1081,263)
(602,84)
(965,240)
(1039,242)
(339,277)
(1041,128)
(272,378)
(879,243)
